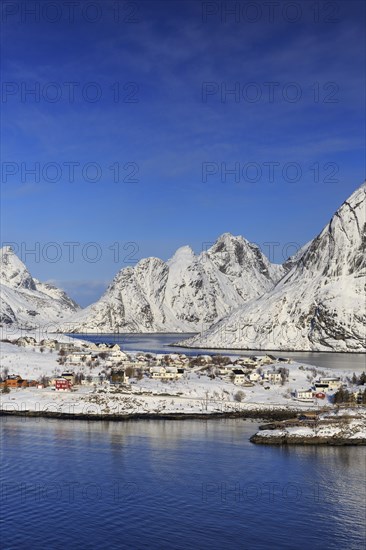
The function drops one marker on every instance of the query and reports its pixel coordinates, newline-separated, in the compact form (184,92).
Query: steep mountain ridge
(182,295)
(319,304)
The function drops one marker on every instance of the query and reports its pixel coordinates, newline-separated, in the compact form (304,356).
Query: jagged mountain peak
(6,250)
(339,249)
(25,301)
(13,272)
(228,237)
(227,242)
(183,254)
(234,255)
(184,293)
(149,264)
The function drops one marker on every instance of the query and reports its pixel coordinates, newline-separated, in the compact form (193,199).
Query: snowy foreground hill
(182,295)
(25,301)
(319,304)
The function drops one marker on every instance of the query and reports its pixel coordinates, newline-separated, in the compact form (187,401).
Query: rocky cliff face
(25,301)
(185,294)
(319,304)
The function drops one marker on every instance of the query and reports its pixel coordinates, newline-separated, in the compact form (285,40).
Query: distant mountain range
(25,301)
(184,294)
(231,293)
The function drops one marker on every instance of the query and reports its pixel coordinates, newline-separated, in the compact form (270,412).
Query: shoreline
(179,345)
(281,428)
(250,414)
(285,441)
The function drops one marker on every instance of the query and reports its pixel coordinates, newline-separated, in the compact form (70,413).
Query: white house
(272,376)
(254,376)
(170,373)
(238,376)
(159,373)
(107,347)
(223,371)
(118,354)
(333,383)
(266,359)
(226,369)
(78,357)
(248,361)
(321,387)
(93,346)
(166,373)
(304,395)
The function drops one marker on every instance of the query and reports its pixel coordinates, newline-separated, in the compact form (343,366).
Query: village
(85,368)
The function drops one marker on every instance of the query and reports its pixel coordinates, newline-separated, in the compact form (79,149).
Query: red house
(320,395)
(61,384)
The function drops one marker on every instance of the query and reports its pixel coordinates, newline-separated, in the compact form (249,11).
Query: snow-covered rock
(182,295)
(13,272)
(318,305)
(26,302)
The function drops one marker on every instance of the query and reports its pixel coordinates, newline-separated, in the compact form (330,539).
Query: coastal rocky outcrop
(326,430)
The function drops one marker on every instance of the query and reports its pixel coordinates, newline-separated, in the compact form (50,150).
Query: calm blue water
(174,485)
(161,343)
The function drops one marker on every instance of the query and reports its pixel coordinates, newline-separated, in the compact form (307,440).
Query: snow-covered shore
(347,427)
(107,405)
(196,393)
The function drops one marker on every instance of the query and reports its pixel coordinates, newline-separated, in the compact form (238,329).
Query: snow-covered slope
(13,272)
(320,304)
(182,295)
(25,302)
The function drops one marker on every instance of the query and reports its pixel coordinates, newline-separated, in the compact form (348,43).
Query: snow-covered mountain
(182,295)
(26,302)
(319,304)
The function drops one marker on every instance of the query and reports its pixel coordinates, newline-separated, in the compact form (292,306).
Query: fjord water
(160,484)
(162,343)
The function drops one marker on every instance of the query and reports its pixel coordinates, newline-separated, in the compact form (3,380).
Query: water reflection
(176,484)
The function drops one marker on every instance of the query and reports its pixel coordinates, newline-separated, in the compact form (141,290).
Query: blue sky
(172,130)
